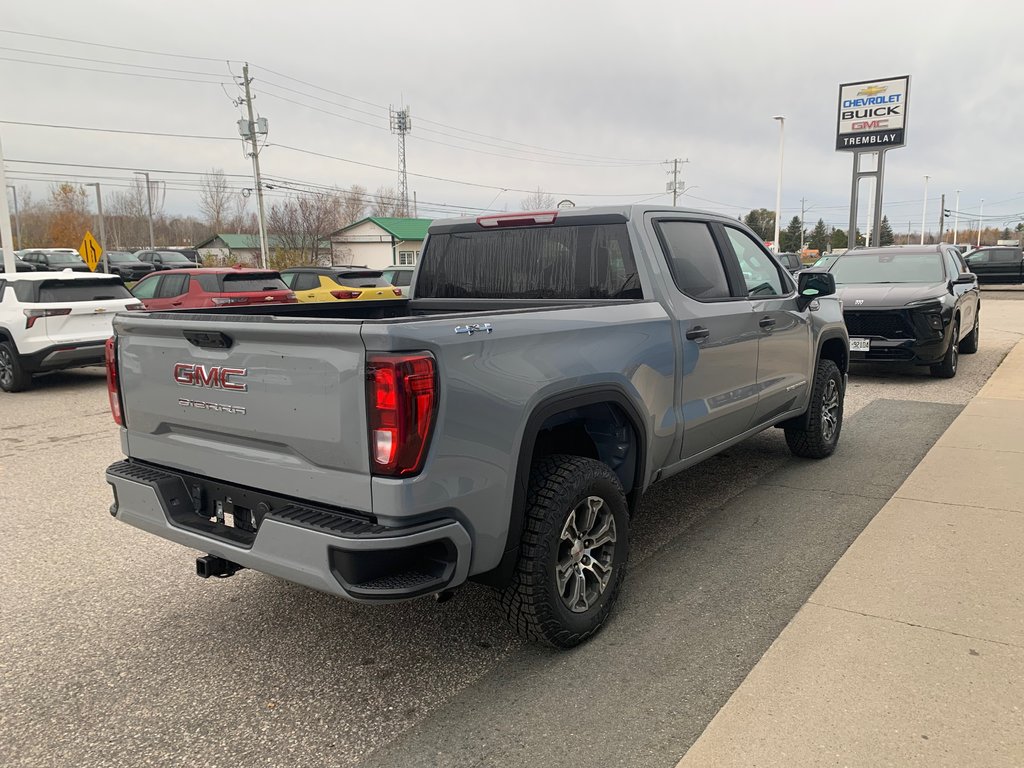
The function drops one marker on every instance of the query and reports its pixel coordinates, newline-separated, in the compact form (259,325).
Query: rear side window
(585,261)
(361,279)
(302,281)
(693,260)
(82,290)
(402,278)
(171,286)
(250,283)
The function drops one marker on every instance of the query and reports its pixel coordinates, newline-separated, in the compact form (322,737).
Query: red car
(194,288)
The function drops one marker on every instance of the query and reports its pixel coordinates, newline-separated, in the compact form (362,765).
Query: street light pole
(149,202)
(778,187)
(956,218)
(103,231)
(980,212)
(924,209)
(17,216)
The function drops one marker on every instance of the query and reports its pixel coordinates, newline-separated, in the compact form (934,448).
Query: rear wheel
(816,434)
(947,368)
(970,344)
(13,377)
(573,552)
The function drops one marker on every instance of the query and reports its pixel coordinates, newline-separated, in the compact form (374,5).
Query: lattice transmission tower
(401,124)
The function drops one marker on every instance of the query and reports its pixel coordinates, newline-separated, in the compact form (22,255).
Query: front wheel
(816,434)
(946,369)
(573,552)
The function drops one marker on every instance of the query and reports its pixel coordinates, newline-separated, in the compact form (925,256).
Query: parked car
(400,276)
(211,287)
(339,284)
(189,253)
(19,265)
(165,259)
(500,426)
(125,265)
(997,264)
(55,259)
(915,304)
(51,321)
(791,261)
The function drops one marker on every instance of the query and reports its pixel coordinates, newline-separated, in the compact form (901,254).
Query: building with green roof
(379,241)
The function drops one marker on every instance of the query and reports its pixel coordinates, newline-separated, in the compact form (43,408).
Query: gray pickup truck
(501,426)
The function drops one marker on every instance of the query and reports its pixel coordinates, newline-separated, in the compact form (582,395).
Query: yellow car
(339,284)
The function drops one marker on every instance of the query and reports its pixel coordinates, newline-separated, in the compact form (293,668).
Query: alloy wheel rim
(586,551)
(6,367)
(956,346)
(830,410)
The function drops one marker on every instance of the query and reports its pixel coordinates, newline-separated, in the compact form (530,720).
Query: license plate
(860,345)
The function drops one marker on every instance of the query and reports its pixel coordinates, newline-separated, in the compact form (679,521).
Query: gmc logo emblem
(215,377)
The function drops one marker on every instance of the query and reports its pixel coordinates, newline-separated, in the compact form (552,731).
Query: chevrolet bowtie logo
(873,90)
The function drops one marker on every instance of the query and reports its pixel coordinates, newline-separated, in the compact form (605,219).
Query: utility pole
(980,211)
(103,231)
(908,233)
(778,187)
(17,216)
(956,219)
(942,219)
(149,201)
(251,129)
(803,212)
(6,238)
(675,186)
(401,124)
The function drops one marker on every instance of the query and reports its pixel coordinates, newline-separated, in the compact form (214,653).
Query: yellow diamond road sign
(90,251)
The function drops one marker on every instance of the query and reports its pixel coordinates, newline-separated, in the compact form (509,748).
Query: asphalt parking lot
(114,653)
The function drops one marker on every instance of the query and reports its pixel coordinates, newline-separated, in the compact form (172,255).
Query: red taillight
(31,315)
(398,291)
(346,294)
(401,396)
(136,306)
(518,219)
(222,301)
(290,298)
(113,383)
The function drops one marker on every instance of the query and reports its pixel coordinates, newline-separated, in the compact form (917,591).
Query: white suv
(55,320)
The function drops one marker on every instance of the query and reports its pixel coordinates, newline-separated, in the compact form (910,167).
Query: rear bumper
(329,550)
(61,356)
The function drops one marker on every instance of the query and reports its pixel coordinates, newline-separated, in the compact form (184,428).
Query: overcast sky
(593,94)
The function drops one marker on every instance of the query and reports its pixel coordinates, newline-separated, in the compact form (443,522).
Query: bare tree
(538,201)
(386,202)
(216,199)
(320,215)
(353,205)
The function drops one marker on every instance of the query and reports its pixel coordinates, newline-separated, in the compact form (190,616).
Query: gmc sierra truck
(500,427)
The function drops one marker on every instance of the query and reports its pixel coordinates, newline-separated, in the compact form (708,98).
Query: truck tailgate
(275,406)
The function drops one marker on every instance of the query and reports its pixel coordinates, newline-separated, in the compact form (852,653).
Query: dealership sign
(873,114)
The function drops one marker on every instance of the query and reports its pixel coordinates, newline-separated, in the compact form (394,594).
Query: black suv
(55,260)
(911,303)
(165,259)
(998,264)
(125,265)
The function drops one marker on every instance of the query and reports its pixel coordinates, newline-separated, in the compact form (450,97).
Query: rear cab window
(557,261)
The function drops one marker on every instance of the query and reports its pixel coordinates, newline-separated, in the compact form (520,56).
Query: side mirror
(813,284)
(966,278)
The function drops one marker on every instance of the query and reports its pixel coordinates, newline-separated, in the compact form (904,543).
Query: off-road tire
(816,434)
(532,602)
(969,345)
(13,377)
(946,369)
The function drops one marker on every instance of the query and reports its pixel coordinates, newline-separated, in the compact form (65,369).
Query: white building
(379,242)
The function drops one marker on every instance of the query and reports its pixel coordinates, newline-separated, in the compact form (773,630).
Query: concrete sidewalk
(911,651)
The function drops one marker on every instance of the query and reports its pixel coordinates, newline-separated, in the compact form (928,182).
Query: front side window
(760,274)
(146,287)
(693,260)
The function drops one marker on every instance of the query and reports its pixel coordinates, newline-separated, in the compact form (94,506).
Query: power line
(119,130)
(112,71)
(114,47)
(106,61)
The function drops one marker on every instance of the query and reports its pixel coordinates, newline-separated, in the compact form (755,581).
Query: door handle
(698,333)
(175,303)
(766,322)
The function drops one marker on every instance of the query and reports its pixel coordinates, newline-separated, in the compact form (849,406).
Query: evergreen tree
(885,235)
(789,239)
(839,239)
(762,221)
(818,239)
